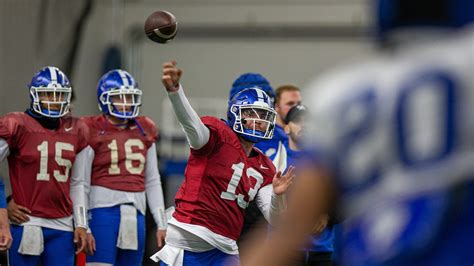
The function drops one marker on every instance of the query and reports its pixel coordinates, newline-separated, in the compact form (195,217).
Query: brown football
(161,26)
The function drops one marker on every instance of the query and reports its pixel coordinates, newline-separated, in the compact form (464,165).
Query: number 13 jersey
(220,181)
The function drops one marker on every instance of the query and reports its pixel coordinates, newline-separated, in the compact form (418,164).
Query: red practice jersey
(120,152)
(220,180)
(40,162)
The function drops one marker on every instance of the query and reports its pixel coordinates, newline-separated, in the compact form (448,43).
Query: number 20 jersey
(219,182)
(120,153)
(40,162)
(398,134)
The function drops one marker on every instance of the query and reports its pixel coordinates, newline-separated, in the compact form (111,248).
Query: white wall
(211,64)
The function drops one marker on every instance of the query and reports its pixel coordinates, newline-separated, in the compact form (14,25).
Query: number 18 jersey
(220,180)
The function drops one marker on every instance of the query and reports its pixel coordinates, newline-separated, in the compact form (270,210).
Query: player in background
(249,80)
(394,137)
(43,148)
(122,168)
(5,235)
(224,173)
(319,249)
(287,96)
(17,213)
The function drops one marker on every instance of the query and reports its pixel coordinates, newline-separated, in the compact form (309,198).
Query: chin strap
(139,126)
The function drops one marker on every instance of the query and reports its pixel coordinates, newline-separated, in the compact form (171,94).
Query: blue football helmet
(250,80)
(393,14)
(118,94)
(251,115)
(50,92)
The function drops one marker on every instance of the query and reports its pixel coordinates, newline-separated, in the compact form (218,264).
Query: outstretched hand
(171,76)
(282,182)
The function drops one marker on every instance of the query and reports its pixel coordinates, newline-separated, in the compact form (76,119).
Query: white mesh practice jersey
(394,130)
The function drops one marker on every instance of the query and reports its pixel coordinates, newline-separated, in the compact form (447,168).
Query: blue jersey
(397,133)
(3,200)
(271,147)
(323,242)
(292,157)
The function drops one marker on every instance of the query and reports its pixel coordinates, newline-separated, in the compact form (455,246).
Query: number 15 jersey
(40,162)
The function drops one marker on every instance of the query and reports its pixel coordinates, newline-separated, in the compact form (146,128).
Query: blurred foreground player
(224,173)
(123,170)
(318,250)
(42,147)
(396,133)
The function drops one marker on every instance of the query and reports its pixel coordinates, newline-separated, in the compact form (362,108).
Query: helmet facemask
(51,101)
(123,102)
(254,122)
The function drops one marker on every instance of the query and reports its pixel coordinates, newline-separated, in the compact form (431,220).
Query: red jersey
(120,152)
(40,162)
(220,180)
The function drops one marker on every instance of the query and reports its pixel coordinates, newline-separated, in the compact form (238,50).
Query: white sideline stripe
(260,95)
(52,72)
(124,78)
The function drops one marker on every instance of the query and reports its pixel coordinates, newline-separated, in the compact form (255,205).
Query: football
(161,26)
